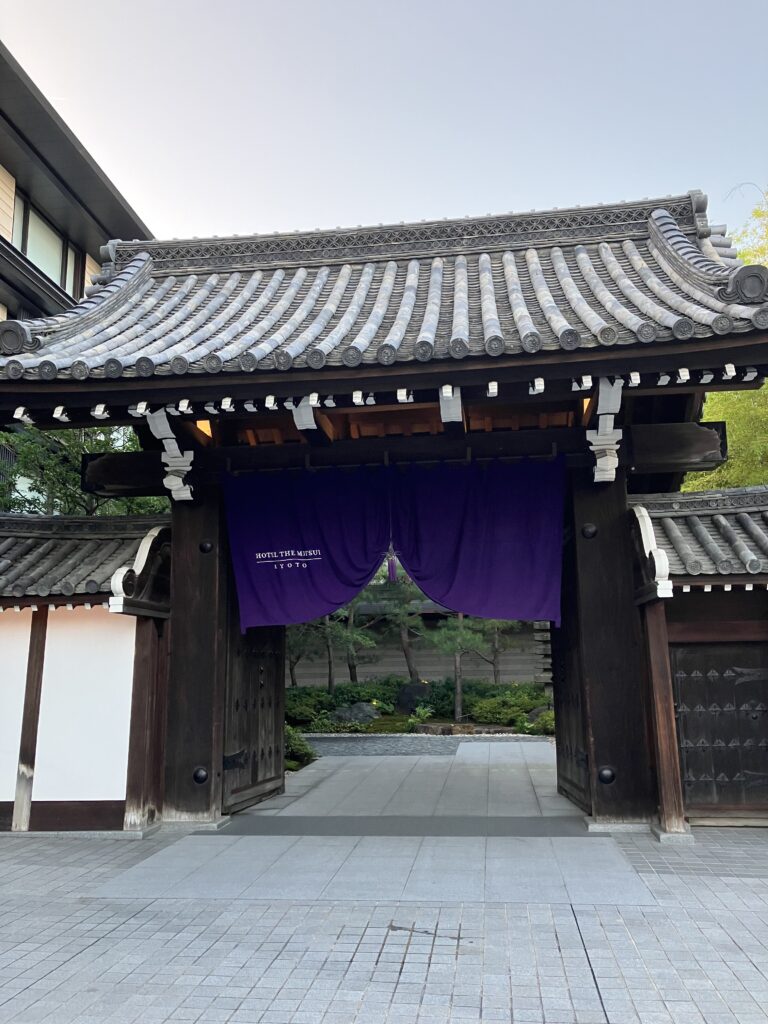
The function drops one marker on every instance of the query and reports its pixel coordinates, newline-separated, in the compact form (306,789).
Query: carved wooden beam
(681,447)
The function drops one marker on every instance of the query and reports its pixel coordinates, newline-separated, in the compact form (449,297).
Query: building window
(46,247)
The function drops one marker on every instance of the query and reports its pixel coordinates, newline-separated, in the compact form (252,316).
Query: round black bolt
(206,547)
(588,531)
(200,775)
(606,775)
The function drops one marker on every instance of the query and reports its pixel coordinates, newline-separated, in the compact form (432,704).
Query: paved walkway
(355,929)
(481,779)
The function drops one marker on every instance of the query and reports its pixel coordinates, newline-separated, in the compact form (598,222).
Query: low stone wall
(351,744)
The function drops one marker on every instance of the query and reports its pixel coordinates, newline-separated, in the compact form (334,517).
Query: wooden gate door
(570,713)
(721,704)
(253,716)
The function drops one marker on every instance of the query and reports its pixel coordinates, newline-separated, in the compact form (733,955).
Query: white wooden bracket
(177,463)
(304,414)
(658,563)
(450,404)
(605,441)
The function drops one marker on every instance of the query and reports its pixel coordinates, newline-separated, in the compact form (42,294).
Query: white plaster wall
(85,709)
(14,648)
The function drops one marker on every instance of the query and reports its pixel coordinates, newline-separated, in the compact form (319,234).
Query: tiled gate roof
(627,274)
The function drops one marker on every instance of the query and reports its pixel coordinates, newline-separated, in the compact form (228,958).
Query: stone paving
(73,951)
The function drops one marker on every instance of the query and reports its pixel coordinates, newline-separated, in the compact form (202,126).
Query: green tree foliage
(303,641)
(458,635)
(399,601)
(321,638)
(745,412)
(746,417)
(496,636)
(752,240)
(44,478)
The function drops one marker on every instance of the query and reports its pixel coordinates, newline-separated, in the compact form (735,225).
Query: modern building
(57,206)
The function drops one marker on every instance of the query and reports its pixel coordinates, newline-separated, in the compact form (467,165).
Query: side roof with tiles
(711,533)
(50,556)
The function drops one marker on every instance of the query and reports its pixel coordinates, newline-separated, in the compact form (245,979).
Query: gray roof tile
(711,533)
(58,556)
(557,280)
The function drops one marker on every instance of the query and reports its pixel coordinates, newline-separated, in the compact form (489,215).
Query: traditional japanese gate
(515,337)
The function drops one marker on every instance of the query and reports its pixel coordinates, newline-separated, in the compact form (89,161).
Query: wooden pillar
(670,787)
(22,804)
(611,653)
(194,744)
(146,745)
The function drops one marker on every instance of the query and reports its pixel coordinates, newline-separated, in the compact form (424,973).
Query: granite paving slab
(464,868)
(73,952)
(482,779)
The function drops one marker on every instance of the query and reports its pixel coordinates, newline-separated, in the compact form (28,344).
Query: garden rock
(360,713)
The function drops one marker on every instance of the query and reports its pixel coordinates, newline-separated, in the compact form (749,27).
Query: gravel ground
(350,744)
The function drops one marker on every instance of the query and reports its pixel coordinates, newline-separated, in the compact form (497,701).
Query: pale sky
(238,116)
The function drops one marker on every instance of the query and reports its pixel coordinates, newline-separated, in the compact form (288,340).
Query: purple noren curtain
(481,539)
(303,544)
(485,539)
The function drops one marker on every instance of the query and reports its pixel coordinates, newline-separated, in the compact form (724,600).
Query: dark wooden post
(22,804)
(146,745)
(194,743)
(611,653)
(671,808)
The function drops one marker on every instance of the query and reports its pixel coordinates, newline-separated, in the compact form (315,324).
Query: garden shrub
(309,707)
(525,696)
(500,711)
(323,722)
(421,714)
(544,724)
(302,703)
(297,750)
(383,689)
